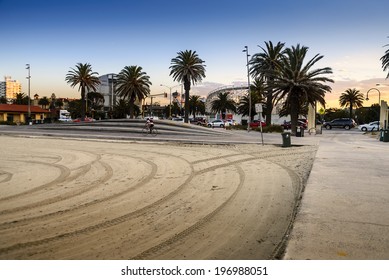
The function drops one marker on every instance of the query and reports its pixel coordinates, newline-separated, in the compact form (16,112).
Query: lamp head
(367,98)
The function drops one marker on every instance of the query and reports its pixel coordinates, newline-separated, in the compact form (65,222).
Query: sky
(53,36)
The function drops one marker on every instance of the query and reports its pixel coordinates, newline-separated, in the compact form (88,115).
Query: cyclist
(149,124)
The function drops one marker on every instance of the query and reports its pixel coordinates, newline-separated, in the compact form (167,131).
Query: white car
(216,123)
(369,127)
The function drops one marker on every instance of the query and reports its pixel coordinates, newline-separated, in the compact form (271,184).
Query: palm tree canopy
(223,103)
(187,68)
(132,83)
(385,61)
(84,77)
(264,63)
(351,97)
(299,82)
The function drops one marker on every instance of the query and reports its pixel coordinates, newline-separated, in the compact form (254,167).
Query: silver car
(369,126)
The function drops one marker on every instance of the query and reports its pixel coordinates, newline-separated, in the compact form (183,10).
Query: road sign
(258,108)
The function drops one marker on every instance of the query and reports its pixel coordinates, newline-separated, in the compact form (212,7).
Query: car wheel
(328,126)
(222,125)
(365,129)
(209,125)
(347,127)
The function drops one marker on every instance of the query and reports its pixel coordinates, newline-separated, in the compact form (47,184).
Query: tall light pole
(29,99)
(246,50)
(170,92)
(379,103)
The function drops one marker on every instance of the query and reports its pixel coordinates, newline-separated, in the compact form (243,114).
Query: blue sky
(55,35)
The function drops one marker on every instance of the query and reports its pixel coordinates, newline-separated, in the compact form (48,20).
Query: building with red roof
(19,113)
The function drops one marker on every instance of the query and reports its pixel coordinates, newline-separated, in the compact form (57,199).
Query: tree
(187,68)
(21,99)
(296,83)
(351,98)
(133,84)
(222,103)
(257,92)
(196,105)
(264,65)
(44,102)
(95,102)
(86,79)
(385,61)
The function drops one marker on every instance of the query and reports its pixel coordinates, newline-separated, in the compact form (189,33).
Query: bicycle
(146,130)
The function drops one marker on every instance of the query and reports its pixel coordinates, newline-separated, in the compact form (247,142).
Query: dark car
(345,123)
(301,123)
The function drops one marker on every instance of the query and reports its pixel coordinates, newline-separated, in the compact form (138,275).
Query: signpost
(259,110)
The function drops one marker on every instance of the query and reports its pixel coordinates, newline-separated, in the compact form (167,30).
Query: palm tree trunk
(351,110)
(294,116)
(187,89)
(269,106)
(83,103)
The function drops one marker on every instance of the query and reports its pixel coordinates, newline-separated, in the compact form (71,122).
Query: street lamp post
(379,103)
(246,50)
(170,102)
(29,99)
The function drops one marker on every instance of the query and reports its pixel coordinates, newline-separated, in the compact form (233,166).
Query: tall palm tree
(187,68)
(222,103)
(196,105)
(133,84)
(264,65)
(86,79)
(297,84)
(385,61)
(351,98)
(257,90)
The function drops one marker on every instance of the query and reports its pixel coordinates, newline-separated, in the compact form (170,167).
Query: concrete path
(344,212)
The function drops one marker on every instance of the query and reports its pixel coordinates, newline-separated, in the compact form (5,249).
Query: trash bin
(286,139)
(385,137)
(299,131)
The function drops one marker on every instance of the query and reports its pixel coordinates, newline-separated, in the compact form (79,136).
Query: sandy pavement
(91,199)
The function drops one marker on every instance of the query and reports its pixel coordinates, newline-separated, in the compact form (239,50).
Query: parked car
(369,126)
(198,121)
(178,119)
(216,123)
(255,123)
(231,122)
(345,123)
(288,125)
(87,119)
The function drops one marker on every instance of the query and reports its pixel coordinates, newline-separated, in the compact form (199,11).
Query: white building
(107,89)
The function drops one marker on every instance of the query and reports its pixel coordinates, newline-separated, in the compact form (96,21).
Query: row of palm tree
(280,72)
(134,84)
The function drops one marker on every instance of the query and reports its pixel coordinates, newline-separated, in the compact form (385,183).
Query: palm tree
(86,79)
(133,84)
(264,65)
(385,61)
(223,103)
(21,99)
(297,84)
(196,105)
(187,68)
(44,102)
(257,92)
(351,98)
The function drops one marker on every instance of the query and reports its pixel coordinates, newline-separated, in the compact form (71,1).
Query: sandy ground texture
(90,199)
